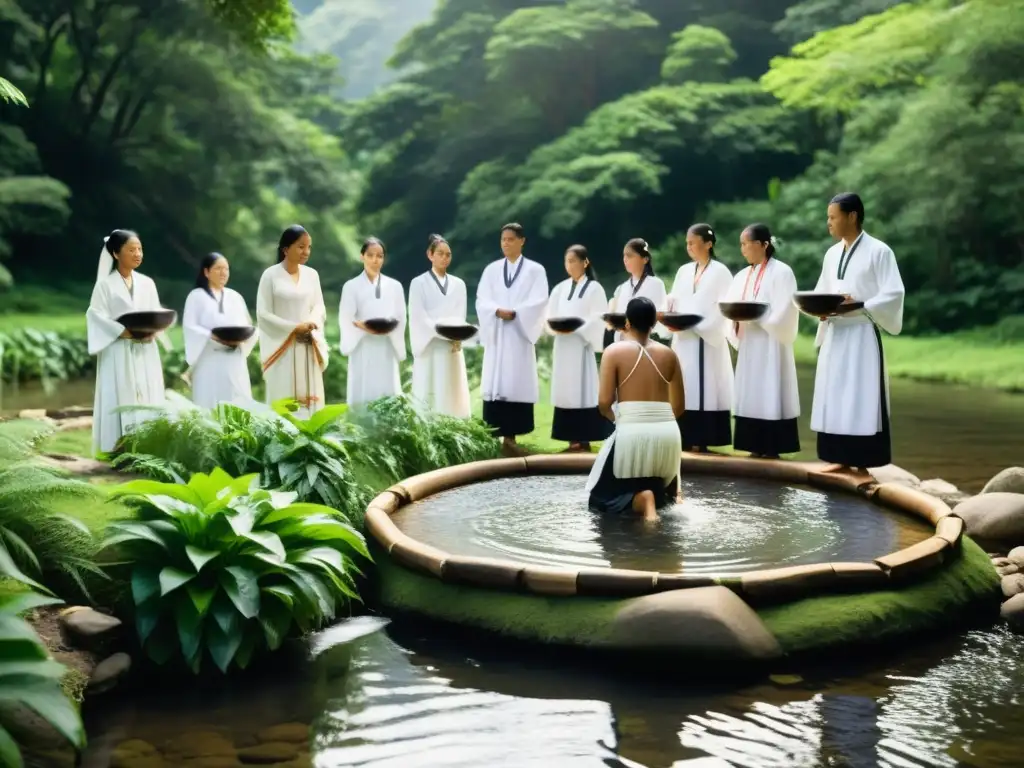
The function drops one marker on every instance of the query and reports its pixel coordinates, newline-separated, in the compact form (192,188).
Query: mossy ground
(803,627)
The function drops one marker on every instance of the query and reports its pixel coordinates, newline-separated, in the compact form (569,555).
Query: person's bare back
(624,378)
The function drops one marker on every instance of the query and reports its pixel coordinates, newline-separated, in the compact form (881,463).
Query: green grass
(71,442)
(804,626)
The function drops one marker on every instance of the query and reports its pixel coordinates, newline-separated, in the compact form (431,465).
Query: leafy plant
(50,356)
(221,568)
(38,543)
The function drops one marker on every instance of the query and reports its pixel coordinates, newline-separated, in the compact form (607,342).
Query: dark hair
(432,242)
(639,245)
(761,234)
(515,229)
(580,252)
(116,240)
(850,202)
(373,241)
(202,281)
(705,233)
(288,238)
(641,314)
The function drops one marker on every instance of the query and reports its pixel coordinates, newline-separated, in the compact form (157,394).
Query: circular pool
(760,560)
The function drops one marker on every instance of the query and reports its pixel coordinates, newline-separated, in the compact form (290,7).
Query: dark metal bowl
(143,324)
(617,320)
(743,311)
(817,304)
(679,321)
(381,324)
(565,324)
(462,332)
(234,333)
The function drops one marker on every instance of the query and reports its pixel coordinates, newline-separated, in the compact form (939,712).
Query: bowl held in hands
(679,321)
(143,324)
(381,324)
(234,333)
(616,319)
(456,331)
(565,324)
(743,311)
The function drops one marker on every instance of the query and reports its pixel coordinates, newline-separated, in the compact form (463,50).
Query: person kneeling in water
(638,466)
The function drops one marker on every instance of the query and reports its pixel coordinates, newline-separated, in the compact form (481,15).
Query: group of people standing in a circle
(513,305)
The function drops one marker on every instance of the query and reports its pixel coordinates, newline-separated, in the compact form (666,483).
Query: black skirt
(615,494)
(767,437)
(862,450)
(580,425)
(507,418)
(705,428)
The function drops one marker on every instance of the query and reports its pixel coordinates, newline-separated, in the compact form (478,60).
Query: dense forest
(587,120)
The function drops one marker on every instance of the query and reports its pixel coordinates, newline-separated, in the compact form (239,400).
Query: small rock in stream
(1013,612)
(1012,585)
(88,629)
(108,672)
(1016,557)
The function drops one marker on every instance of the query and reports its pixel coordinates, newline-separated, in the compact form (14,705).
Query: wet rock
(293,733)
(197,744)
(1007,570)
(1000,562)
(213,761)
(36,414)
(944,491)
(78,422)
(994,517)
(1016,557)
(890,473)
(1010,480)
(1013,612)
(710,621)
(71,412)
(108,672)
(87,628)
(1012,585)
(136,753)
(269,753)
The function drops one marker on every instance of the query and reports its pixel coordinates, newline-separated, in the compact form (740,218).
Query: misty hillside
(361,33)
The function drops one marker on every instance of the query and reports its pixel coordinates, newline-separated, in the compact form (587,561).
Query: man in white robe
(511,301)
(851,386)
(439,378)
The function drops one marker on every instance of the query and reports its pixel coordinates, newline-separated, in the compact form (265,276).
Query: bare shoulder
(661,353)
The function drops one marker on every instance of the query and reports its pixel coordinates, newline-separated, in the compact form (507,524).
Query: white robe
(766,385)
(574,374)
(372,358)
(298,370)
(439,378)
(128,372)
(847,395)
(651,287)
(510,356)
(218,373)
(715,392)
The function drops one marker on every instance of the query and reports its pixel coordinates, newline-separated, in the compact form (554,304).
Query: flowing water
(723,526)
(417,697)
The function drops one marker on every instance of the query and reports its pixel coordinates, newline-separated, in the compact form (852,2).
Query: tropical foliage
(39,544)
(49,356)
(337,457)
(221,569)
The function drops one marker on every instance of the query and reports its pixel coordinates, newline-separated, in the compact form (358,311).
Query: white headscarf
(106,262)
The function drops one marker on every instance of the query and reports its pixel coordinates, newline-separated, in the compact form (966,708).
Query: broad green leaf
(10,754)
(243,588)
(146,617)
(241,520)
(145,584)
(226,615)
(21,548)
(129,531)
(222,645)
(190,625)
(199,557)
(46,699)
(9,569)
(285,594)
(43,668)
(201,596)
(281,499)
(161,645)
(246,650)
(297,510)
(19,602)
(326,415)
(268,540)
(325,529)
(144,488)
(171,578)
(276,620)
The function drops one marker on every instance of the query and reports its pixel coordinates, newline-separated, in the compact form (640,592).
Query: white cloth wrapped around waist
(646,440)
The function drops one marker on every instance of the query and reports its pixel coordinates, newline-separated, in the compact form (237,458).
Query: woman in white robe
(636,257)
(511,301)
(704,350)
(128,371)
(373,357)
(767,398)
(218,370)
(439,378)
(290,317)
(574,375)
(851,386)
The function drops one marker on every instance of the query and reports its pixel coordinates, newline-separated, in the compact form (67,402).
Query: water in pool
(723,526)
